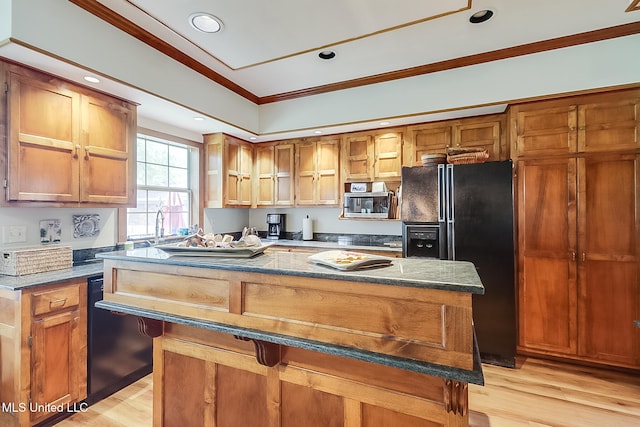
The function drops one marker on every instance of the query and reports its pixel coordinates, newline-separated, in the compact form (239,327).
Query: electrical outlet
(14,233)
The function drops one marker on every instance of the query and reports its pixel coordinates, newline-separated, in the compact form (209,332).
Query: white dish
(349,260)
(226,252)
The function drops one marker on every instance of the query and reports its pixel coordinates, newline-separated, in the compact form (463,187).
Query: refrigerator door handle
(451,217)
(441,194)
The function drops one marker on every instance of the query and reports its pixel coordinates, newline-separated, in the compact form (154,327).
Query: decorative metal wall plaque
(86,225)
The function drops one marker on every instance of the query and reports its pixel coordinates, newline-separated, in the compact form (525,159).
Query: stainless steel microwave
(367,204)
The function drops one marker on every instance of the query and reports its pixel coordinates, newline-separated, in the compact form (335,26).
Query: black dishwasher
(117,354)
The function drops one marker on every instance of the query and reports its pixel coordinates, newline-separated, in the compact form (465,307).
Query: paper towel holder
(307,228)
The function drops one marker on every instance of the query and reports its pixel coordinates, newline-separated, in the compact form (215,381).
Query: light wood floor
(538,393)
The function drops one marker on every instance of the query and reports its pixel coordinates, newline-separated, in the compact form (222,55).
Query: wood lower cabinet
(317,171)
(608,258)
(579,226)
(43,337)
(206,378)
(67,144)
(547,232)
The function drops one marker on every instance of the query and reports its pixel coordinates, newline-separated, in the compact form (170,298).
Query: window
(164,188)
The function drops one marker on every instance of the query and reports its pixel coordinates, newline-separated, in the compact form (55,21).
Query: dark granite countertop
(474,376)
(457,276)
(333,245)
(50,277)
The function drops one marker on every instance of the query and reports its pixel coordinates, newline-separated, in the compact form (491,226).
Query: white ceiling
(270,48)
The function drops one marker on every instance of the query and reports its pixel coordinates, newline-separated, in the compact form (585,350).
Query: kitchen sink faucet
(159,226)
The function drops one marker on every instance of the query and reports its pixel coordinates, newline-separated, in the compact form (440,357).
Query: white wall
(325,220)
(5,20)
(31,217)
(594,65)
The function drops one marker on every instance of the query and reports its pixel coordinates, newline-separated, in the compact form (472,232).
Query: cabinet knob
(573,256)
(75,155)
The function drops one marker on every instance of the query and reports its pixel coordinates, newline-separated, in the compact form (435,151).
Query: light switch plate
(14,233)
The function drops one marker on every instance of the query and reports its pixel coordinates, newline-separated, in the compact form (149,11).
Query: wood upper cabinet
(372,156)
(317,171)
(483,132)
(67,144)
(107,166)
(428,138)
(579,243)
(274,178)
(544,129)
(229,168)
(606,124)
(594,123)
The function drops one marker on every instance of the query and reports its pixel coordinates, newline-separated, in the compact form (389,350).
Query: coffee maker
(275,226)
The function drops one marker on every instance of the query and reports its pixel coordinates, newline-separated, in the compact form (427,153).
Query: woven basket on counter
(467,156)
(17,262)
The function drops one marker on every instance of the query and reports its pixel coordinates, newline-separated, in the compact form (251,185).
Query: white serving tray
(349,260)
(226,252)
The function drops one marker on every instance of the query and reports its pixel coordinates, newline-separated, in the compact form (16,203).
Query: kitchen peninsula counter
(282,340)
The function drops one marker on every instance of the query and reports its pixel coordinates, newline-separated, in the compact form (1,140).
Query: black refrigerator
(466,213)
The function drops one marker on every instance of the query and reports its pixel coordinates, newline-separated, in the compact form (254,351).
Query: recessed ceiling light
(384,123)
(481,16)
(205,22)
(198,119)
(253,138)
(91,79)
(317,132)
(327,54)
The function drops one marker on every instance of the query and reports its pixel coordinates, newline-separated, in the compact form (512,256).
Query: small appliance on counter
(275,226)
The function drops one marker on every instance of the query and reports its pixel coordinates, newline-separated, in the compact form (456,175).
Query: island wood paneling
(422,324)
(221,384)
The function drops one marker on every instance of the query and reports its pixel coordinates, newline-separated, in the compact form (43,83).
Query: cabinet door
(609,126)
(57,362)
(479,133)
(265,175)
(328,164)
(306,173)
(609,284)
(547,267)
(107,164)
(317,163)
(387,148)
(544,129)
(44,139)
(233,172)
(426,139)
(214,176)
(245,190)
(357,158)
(284,179)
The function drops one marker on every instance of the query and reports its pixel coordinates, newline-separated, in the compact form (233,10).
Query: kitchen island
(276,340)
